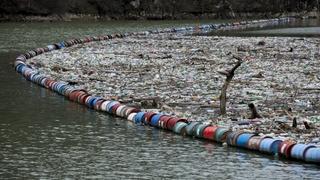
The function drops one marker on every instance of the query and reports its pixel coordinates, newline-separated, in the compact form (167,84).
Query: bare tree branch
(229,75)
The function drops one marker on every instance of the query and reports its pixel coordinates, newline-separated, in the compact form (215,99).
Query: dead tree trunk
(254,112)
(229,75)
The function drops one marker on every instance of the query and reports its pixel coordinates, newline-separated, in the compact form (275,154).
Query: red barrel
(74,95)
(285,148)
(173,121)
(78,96)
(131,110)
(98,104)
(83,98)
(209,132)
(148,116)
(114,108)
(163,121)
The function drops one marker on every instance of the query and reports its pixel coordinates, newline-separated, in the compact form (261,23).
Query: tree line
(152,8)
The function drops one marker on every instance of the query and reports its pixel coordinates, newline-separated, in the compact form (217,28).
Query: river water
(44,136)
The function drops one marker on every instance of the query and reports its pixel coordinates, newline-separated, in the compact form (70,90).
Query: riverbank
(178,75)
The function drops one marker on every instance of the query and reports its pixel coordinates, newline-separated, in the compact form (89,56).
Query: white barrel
(119,109)
(104,105)
(131,117)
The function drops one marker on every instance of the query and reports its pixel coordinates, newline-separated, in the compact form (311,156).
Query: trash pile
(153,77)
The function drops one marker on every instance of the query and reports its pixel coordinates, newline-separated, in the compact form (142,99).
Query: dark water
(298,27)
(44,136)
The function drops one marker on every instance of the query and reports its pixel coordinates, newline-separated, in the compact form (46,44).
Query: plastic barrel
(163,121)
(114,108)
(120,108)
(110,105)
(173,121)
(91,102)
(122,113)
(179,127)
(104,105)
(221,134)
(313,155)
(298,151)
(285,148)
(97,105)
(243,140)
(254,142)
(160,122)
(94,102)
(190,127)
(139,118)
(269,145)
(198,130)
(232,138)
(131,110)
(155,120)
(148,116)
(83,98)
(131,117)
(209,132)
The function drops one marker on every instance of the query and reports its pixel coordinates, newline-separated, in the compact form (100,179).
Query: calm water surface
(44,136)
(298,27)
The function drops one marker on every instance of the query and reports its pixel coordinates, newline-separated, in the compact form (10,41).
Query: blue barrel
(155,120)
(16,63)
(61,45)
(43,81)
(190,127)
(298,151)
(94,102)
(109,106)
(89,101)
(139,118)
(243,139)
(179,126)
(63,89)
(221,134)
(312,155)
(19,67)
(270,146)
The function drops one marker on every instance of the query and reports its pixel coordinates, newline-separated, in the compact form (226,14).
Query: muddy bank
(178,74)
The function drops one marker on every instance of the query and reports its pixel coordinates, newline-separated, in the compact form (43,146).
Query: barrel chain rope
(264,144)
